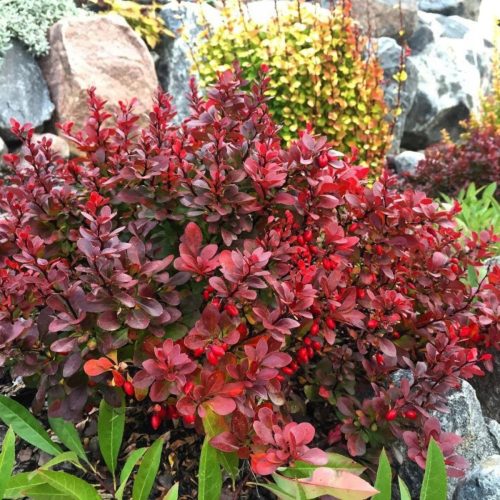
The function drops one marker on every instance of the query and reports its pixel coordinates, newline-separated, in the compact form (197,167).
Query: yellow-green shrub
(320,72)
(142,18)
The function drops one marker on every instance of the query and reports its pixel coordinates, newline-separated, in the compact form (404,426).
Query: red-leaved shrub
(449,168)
(237,285)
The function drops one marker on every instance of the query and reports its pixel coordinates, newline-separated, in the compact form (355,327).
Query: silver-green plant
(29,21)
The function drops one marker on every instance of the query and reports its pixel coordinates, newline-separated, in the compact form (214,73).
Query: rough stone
(174,64)
(464,8)
(389,56)
(382,17)
(482,482)
(59,145)
(444,95)
(23,91)
(488,389)
(407,161)
(101,51)
(465,418)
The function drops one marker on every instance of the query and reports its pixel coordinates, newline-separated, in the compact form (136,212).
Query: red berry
(198,352)
(353,227)
(310,352)
(330,323)
(188,419)
(308,235)
(300,240)
(372,323)
(302,355)
(232,310)
(380,359)
(391,415)
(307,341)
(279,378)
(316,345)
(323,160)
(128,388)
(118,378)
(379,249)
(411,414)
(155,421)
(287,370)
(294,366)
(218,350)
(242,329)
(212,358)
(206,295)
(188,387)
(361,293)
(314,329)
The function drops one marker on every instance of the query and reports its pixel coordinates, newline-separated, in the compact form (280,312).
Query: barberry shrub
(449,168)
(267,297)
(322,71)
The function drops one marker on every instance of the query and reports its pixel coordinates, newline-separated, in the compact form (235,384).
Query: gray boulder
(464,8)
(389,56)
(383,18)
(407,161)
(482,482)
(465,418)
(24,94)
(174,64)
(488,389)
(453,63)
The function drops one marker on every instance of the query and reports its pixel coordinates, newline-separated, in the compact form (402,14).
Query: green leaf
(434,483)
(404,492)
(384,478)
(7,459)
(281,494)
(173,493)
(335,461)
(131,462)
(67,456)
(45,492)
(148,469)
(215,424)
(72,486)
(26,426)
(68,435)
(110,426)
(18,485)
(209,474)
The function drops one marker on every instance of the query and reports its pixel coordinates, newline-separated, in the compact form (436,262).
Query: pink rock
(100,51)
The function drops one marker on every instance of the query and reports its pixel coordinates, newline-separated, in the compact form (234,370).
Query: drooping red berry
(188,387)
(287,370)
(155,421)
(242,329)
(314,329)
(323,160)
(198,352)
(308,235)
(372,323)
(212,358)
(316,345)
(188,419)
(232,310)
(391,415)
(411,414)
(361,293)
(128,388)
(379,358)
(330,323)
(218,350)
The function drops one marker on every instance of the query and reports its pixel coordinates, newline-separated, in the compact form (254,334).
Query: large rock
(453,63)
(479,436)
(100,51)
(174,64)
(389,56)
(482,482)
(407,161)
(488,389)
(23,92)
(383,17)
(464,8)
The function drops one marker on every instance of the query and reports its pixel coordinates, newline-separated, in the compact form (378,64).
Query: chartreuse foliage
(142,18)
(320,73)
(480,208)
(44,481)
